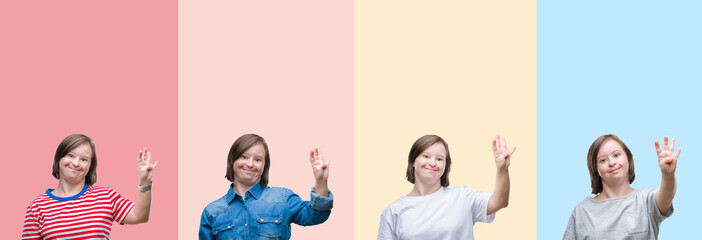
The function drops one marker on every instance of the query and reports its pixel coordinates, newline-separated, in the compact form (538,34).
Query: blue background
(631,68)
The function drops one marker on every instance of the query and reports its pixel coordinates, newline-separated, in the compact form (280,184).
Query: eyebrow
(439,155)
(616,150)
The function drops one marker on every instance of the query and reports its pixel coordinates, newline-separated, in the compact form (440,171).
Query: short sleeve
(120,206)
(386,228)
(570,229)
(30,230)
(479,201)
(653,206)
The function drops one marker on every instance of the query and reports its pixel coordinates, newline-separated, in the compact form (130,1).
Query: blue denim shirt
(266,213)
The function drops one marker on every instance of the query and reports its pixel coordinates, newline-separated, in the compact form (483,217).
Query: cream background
(464,70)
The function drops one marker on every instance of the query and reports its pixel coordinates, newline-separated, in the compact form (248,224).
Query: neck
(66,189)
(615,191)
(422,189)
(241,189)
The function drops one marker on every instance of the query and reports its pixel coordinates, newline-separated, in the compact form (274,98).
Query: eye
(617,155)
(439,159)
(603,160)
(259,159)
(244,157)
(70,155)
(84,159)
(425,156)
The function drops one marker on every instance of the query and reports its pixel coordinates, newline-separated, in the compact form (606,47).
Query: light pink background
(283,70)
(107,69)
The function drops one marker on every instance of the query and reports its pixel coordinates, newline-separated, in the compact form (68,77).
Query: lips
(433,170)
(614,170)
(74,169)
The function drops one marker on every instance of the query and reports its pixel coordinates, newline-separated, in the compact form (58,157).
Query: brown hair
(67,145)
(239,147)
(595,178)
(418,148)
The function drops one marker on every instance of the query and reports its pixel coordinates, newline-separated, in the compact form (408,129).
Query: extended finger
(154,165)
(494,145)
(658,147)
(321,157)
(504,144)
(512,152)
(499,142)
(672,145)
(665,142)
(139,156)
(311,156)
(148,155)
(678,153)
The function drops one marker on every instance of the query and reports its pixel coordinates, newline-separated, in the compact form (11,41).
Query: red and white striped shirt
(87,215)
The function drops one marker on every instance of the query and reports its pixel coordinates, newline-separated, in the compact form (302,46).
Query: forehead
(436,149)
(610,145)
(256,149)
(83,149)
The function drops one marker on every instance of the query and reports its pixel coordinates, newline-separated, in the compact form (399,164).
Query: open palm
(320,166)
(667,157)
(501,152)
(145,167)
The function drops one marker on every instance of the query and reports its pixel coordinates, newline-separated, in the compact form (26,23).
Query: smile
(74,169)
(614,170)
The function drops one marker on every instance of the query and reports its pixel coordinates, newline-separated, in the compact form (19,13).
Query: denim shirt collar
(254,192)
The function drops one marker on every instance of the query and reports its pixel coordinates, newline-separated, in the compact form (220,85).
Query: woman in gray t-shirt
(619,211)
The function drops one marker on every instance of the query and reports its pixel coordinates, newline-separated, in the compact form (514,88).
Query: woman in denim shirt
(253,210)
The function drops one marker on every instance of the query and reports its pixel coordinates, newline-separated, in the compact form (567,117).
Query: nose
(249,162)
(610,162)
(432,161)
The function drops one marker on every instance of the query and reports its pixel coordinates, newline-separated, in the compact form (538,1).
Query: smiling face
(613,163)
(249,166)
(74,166)
(429,166)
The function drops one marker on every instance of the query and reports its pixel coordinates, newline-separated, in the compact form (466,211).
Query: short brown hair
(595,178)
(67,145)
(239,147)
(418,148)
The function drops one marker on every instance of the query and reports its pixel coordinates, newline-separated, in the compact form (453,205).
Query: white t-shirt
(449,213)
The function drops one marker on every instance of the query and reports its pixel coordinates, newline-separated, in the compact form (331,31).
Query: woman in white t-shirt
(434,211)
(620,211)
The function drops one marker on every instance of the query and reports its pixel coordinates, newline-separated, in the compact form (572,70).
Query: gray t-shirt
(634,216)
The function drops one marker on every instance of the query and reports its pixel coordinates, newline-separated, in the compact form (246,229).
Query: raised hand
(145,167)
(667,157)
(320,166)
(501,152)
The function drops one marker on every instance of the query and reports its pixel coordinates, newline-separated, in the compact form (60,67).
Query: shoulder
(396,207)
(277,193)
(465,191)
(38,200)
(217,206)
(646,191)
(99,189)
(277,190)
(584,205)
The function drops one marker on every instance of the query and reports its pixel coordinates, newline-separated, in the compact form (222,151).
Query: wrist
(145,187)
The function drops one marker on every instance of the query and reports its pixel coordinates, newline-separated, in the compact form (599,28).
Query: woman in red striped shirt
(77,209)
